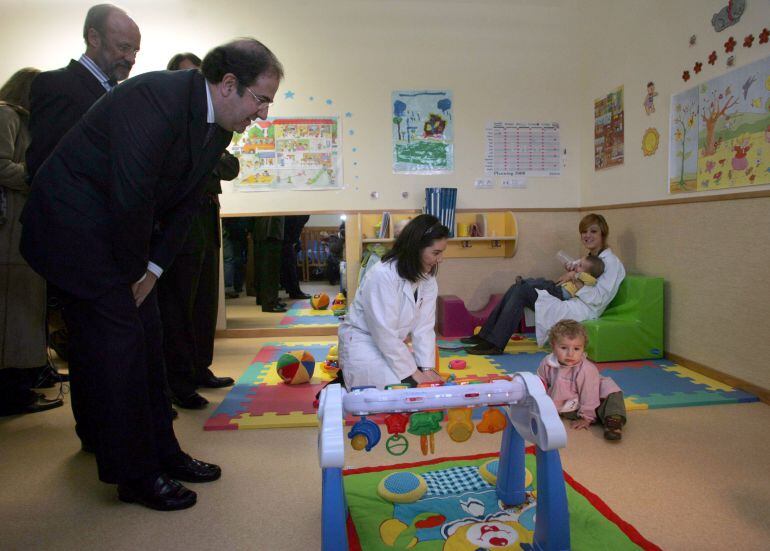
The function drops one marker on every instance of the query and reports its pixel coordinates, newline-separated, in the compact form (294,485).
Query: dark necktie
(211,129)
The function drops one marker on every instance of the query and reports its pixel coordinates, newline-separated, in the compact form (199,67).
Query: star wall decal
(712,57)
(288,94)
(730,44)
(748,41)
(763,36)
(686,76)
(697,67)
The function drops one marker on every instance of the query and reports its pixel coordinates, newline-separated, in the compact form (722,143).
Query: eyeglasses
(262,101)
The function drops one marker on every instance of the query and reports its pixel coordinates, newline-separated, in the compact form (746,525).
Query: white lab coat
(372,350)
(588,303)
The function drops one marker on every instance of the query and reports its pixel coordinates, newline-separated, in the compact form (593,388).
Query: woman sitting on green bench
(547,299)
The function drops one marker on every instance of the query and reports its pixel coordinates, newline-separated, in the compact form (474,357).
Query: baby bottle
(566,260)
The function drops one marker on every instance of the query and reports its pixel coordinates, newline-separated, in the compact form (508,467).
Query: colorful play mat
(458,509)
(301,314)
(260,399)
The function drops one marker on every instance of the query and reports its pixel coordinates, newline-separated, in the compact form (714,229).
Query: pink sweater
(578,388)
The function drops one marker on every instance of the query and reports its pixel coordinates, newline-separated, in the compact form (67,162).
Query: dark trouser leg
(120,349)
(206,299)
(81,409)
(267,266)
(175,297)
(613,404)
(289,276)
(239,264)
(15,390)
(506,316)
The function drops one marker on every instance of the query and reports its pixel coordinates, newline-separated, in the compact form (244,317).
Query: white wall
(632,43)
(502,60)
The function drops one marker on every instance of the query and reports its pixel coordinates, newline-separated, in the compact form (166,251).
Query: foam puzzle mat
(301,314)
(260,399)
(469,516)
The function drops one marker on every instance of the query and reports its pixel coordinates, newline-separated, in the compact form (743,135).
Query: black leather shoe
(297,296)
(212,381)
(484,350)
(274,308)
(473,339)
(193,401)
(231,294)
(38,404)
(174,414)
(188,469)
(49,377)
(163,494)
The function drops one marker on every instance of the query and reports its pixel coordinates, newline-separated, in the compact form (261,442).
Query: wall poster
(608,130)
(423,132)
(523,149)
(719,132)
(289,153)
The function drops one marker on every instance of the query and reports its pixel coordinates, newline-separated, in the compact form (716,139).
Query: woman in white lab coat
(546,298)
(395,304)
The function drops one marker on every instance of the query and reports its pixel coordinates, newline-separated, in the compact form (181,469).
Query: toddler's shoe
(613,427)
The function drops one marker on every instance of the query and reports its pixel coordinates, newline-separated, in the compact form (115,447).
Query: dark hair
(96,18)
(15,92)
(246,58)
(176,61)
(418,234)
(595,265)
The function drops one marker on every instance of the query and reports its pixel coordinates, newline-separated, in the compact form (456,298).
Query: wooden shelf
(500,240)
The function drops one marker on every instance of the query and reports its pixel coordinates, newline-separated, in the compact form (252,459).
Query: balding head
(112,40)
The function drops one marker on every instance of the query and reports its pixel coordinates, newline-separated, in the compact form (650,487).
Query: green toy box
(631,328)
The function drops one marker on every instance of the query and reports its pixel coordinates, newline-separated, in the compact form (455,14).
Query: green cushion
(631,327)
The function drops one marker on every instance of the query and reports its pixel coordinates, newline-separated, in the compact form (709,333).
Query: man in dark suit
(188,294)
(58,100)
(107,213)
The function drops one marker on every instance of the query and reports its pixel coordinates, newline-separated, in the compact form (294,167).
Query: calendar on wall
(523,149)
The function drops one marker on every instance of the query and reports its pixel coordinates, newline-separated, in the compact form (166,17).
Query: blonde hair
(589,219)
(15,91)
(570,329)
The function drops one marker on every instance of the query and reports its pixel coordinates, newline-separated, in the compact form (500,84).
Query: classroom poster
(522,149)
(423,132)
(289,153)
(608,130)
(719,132)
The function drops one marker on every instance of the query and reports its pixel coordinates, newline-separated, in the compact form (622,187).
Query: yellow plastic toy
(459,424)
(339,305)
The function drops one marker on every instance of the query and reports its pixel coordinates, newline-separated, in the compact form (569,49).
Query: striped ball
(320,301)
(296,367)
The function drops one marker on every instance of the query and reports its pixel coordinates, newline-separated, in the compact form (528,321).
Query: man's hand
(581,424)
(143,287)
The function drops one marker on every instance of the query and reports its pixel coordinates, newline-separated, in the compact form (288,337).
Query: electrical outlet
(484,183)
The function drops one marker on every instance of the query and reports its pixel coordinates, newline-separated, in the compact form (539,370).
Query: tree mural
(684,121)
(715,108)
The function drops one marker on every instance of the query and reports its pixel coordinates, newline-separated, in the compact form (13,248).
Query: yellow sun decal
(650,142)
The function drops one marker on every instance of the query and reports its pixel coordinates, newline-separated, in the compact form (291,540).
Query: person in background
(22,291)
(578,391)
(188,292)
(235,246)
(547,299)
(396,302)
(292,230)
(58,100)
(267,239)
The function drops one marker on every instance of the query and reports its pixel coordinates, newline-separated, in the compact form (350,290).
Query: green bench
(631,328)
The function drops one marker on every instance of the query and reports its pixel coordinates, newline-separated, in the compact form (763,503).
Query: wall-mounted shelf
(499,239)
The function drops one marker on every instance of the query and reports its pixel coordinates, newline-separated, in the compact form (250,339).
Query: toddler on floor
(574,384)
